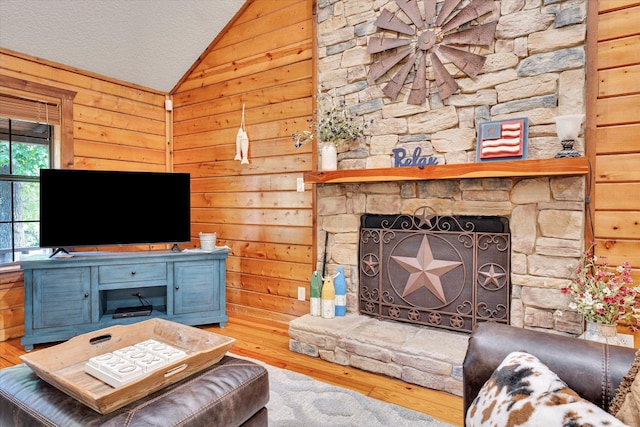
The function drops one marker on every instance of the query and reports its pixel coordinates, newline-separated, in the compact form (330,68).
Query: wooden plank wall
(264,61)
(116,126)
(616,178)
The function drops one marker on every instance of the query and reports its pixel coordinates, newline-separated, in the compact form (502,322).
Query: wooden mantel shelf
(500,169)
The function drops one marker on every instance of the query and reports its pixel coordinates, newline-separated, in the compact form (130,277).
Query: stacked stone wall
(535,68)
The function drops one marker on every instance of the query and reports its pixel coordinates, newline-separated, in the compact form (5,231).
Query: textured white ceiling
(152,43)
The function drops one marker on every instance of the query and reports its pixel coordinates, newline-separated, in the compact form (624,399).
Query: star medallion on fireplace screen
(494,276)
(370,265)
(425,271)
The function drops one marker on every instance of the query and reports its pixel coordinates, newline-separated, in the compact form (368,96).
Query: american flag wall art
(503,139)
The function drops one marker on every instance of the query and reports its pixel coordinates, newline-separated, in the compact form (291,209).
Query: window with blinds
(29,109)
(29,114)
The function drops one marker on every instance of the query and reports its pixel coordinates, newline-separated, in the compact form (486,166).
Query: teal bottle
(314,294)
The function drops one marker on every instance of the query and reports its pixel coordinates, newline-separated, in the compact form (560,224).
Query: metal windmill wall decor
(425,39)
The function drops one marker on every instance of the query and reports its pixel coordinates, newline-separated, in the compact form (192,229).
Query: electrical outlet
(301,295)
(300,185)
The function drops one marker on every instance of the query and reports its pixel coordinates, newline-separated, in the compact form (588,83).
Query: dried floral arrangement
(603,294)
(333,123)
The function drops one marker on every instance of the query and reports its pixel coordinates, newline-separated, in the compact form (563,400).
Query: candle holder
(568,128)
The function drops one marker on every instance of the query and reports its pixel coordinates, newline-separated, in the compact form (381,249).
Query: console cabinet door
(196,287)
(61,297)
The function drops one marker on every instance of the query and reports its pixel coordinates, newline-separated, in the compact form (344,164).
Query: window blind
(29,109)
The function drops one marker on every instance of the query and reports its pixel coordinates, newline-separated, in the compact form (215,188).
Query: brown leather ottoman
(233,392)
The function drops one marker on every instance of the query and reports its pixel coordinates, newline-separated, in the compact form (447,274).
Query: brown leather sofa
(233,392)
(591,369)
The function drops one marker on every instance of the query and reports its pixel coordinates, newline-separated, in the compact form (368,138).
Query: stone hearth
(423,356)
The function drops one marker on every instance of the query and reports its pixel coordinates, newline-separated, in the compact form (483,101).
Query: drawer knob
(133,273)
(86,295)
(177,288)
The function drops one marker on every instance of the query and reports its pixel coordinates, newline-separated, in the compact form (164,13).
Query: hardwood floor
(269,341)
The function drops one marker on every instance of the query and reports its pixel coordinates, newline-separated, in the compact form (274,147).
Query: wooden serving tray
(63,365)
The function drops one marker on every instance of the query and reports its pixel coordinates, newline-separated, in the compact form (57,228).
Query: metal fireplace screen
(445,272)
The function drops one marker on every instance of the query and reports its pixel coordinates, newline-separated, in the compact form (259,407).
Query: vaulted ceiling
(151,43)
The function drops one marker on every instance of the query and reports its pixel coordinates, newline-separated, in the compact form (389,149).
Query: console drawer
(132,273)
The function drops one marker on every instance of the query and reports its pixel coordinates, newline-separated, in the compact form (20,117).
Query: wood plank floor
(269,341)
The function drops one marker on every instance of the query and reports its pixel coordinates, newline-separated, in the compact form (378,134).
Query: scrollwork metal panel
(445,272)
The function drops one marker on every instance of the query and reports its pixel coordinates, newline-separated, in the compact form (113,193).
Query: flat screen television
(84,208)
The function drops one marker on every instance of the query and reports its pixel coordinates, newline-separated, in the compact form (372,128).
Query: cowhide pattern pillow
(524,392)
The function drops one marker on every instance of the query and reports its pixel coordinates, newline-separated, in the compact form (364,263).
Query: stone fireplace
(546,225)
(535,68)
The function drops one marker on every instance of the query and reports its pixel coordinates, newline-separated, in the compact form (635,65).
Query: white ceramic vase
(208,241)
(328,157)
(603,333)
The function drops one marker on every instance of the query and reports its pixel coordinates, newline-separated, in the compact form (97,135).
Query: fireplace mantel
(497,169)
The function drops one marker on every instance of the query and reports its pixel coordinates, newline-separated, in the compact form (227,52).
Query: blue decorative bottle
(340,285)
